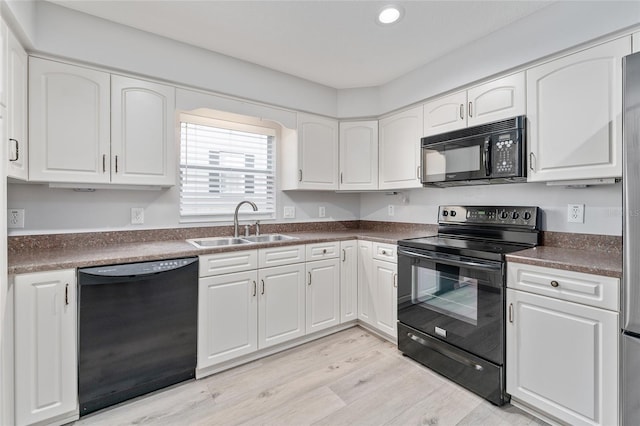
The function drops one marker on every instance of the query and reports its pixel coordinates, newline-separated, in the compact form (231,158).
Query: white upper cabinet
(87,126)
(574,112)
(445,114)
(16,80)
(359,155)
(636,42)
(492,101)
(3,63)
(311,160)
(142,132)
(400,149)
(69,123)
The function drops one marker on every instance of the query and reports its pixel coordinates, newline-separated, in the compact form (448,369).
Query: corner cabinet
(16,81)
(492,101)
(562,344)
(574,114)
(359,155)
(46,385)
(399,150)
(310,160)
(85,128)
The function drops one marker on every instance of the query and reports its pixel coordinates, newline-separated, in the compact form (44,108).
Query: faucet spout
(235,215)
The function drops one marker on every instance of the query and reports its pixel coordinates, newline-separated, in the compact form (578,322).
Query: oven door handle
(458,261)
(443,351)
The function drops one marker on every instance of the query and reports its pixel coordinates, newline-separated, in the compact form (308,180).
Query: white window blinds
(223,163)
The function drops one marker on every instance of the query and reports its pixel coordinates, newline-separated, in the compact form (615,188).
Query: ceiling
(335,43)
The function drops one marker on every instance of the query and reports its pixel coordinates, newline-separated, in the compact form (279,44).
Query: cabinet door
(281,304)
(359,155)
(17,166)
(366,308)
(562,358)
(322,294)
(227,317)
(45,346)
(385,286)
(635,41)
(318,152)
(496,100)
(69,121)
(3,63)
(574,109)
(143,135)
(399,150)
(348,281)
(445,114)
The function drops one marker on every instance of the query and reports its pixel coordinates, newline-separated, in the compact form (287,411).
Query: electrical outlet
(289,212)
(391,210)
(575,213)
(15,218)
(137,215)
(321,211)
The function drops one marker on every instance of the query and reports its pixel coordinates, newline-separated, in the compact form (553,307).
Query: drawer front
(320,251)
(386,252)
(226,263)
(588,289)
(277,256)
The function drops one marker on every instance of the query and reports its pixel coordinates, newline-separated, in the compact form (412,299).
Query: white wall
(603,204)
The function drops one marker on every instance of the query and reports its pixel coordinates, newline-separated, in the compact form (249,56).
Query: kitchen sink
(267,238)
(217,242)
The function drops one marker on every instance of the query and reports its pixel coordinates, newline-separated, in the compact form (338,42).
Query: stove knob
(445,213)
(515,215)
(453,213)
(526,216)
(504,215)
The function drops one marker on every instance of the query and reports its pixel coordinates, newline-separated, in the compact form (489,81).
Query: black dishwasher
(137,329)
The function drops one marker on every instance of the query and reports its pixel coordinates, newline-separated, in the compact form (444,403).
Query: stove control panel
(489,215)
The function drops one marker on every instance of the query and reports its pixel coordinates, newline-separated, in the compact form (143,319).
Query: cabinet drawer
(226,263)
(588,289)
(276,256)
(386,252)
(320,251)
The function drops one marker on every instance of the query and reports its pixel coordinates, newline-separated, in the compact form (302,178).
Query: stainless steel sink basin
(217,242)
(268,238)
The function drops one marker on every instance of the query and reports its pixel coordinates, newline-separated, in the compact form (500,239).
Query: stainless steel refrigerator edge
(630,362)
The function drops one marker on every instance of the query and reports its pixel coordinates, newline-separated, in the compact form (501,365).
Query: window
(223,163)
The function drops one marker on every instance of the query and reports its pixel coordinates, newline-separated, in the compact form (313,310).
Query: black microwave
(489,153)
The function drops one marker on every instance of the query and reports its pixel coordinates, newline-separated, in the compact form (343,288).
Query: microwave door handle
(487,157)
(444,259)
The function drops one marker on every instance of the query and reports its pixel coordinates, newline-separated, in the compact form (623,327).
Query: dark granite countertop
(46,259)
(570,259)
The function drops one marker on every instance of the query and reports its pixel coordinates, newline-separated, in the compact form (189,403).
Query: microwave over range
(489,153)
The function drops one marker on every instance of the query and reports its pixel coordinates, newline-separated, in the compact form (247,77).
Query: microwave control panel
(506,155)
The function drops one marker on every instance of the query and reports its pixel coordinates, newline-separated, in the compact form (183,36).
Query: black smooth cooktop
(472,247)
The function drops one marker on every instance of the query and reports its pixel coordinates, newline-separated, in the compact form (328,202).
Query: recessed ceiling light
(389,14)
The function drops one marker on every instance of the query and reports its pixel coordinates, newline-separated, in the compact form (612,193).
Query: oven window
(446,290)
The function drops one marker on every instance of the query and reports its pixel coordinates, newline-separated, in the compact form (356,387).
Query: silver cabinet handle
(262,281)
(17,149)
(344,255)
(66,294)
(116,164)
(461,111)
(104,163)
(341,180)
(470,109)
(299,175)
(510,312)
(395,280)
(532,159)
(418,172)
(309,278)
(255,289)
(554,283)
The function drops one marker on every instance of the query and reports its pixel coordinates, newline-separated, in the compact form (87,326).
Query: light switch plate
(575,213)
(391,210)
(137,215)
(321,211)
(289,212)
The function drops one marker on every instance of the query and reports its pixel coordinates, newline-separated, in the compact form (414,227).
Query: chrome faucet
(235,215)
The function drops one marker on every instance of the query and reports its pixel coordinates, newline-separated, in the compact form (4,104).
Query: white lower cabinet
(228,305)
(46,384)
(281,304)
(562,356)
(323,294)
(348,281)
(385,287)
(366,312)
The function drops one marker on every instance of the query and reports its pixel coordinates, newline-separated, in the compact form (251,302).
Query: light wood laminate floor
(349,378)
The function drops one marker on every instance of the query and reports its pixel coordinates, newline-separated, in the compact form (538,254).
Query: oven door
(456,299)
(464,159)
